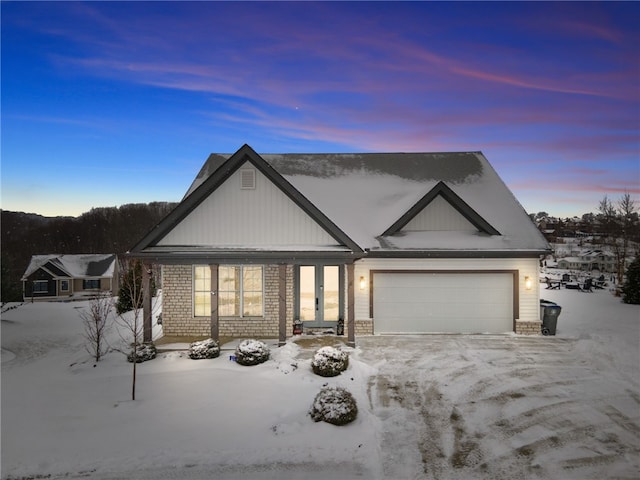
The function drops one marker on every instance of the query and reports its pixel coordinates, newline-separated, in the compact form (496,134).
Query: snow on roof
(74,266)
(365,193)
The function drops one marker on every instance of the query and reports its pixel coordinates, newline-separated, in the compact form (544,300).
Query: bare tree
(617,222)
(131,321)
(96,325)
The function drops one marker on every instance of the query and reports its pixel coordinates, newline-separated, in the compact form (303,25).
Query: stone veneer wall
(177,303)
(528,328)
(364,327)
(177,307)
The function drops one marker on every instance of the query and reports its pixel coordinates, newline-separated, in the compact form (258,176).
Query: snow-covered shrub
(334,405)
(208,348)
(329,362)
(144,351)
(252,352)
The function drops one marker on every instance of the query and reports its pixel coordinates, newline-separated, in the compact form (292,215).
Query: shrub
(631,287)
(144,351)
(208,348)
(329,362)
(131,286)
(252,352)
(334,405)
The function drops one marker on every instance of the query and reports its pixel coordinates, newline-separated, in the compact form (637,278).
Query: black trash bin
(549,313)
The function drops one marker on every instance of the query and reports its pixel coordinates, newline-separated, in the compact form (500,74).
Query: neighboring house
(384,242)
(599,260)
(570,263)
(590,260)
(63,277)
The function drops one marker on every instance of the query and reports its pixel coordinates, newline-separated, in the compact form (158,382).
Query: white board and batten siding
(248,214)
(474,296)
(439,215)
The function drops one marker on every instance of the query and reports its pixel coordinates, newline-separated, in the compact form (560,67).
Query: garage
(442,302)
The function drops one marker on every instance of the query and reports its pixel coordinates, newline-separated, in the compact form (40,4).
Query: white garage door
(443,302)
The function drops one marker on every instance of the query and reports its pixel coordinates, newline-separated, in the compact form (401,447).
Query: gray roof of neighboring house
(365,195)
(73,266)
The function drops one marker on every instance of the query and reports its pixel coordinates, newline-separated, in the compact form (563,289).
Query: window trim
(240,291)
(87,282)
(40,282)
(194,291)
(62,282)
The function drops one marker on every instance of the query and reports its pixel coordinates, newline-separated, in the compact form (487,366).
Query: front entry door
(319,294)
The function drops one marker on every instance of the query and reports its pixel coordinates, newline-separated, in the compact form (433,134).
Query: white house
(590,260)
(384,242)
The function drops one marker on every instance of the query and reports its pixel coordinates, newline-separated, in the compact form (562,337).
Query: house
(65,277)
(590,260)
(570,263)
(378,242)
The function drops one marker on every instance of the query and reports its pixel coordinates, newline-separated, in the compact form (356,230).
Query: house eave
(291,257)
(245,256)
(455,253)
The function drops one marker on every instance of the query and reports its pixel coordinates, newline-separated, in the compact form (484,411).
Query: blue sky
(107,103)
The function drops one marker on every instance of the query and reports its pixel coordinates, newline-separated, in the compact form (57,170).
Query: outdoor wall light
(528,283)
(363,283)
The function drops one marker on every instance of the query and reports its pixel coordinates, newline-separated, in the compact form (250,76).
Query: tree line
(100,230)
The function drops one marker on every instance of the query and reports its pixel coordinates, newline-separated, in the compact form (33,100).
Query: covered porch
(301,292)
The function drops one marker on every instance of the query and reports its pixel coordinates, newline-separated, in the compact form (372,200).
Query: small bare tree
(96,325)
(131,321)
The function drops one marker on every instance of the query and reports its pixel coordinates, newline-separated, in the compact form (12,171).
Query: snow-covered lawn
(434,407)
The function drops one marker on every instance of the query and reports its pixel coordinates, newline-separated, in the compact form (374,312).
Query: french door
(320,294)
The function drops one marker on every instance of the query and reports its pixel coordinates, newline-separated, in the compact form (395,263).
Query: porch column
(147,325)
(282,305)
(351,314)
(215,327)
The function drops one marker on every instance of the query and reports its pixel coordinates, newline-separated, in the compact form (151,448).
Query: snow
(77,266)
(431,406)
(381,187)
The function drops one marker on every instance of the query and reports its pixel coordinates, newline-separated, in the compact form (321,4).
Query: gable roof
(73,266)
(365,199)
(454,200)
(215,172)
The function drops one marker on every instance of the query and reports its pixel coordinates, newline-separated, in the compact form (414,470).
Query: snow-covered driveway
(501,408)
(509,407)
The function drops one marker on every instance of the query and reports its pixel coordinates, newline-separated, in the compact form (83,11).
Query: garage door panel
(443,302)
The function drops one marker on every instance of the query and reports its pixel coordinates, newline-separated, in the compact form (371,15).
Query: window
(64,285)
(40,286)
(228,291)
(240,291)
(251,291)
(202,291)
(91,284)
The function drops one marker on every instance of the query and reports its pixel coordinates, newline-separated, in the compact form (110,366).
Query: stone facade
(528,327)
(177,307)
(177,303)
(364,327)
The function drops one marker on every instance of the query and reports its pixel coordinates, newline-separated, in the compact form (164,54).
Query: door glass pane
(331,292)
(307,293)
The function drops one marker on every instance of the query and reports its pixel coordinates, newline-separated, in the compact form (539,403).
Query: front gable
(441,209)
(246,205)
(248,210)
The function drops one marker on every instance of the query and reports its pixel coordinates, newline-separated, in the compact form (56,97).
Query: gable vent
(247,179)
